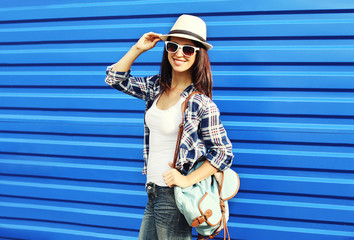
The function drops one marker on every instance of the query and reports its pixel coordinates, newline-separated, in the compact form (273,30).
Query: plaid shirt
(203,135)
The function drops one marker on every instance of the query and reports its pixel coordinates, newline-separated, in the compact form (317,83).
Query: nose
(179,52)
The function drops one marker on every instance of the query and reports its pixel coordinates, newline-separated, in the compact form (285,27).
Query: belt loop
(151,191)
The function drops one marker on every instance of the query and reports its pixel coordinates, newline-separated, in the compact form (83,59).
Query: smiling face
(178,61)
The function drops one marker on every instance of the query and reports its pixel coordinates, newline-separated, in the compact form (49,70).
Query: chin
(181,68)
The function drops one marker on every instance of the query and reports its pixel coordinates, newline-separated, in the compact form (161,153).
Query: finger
(168,182)
(170,164)
(169,179)
(165,174)
(156,40)
(152,35)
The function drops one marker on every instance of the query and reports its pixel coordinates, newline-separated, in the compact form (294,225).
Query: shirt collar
(188,91)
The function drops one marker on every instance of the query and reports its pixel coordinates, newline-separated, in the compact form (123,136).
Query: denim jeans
(162,220)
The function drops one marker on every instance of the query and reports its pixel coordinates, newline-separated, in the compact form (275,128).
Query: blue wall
(71,147)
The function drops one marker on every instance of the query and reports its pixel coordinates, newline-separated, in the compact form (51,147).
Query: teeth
(178,62)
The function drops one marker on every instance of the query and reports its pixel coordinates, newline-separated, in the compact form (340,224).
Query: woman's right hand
(147,41)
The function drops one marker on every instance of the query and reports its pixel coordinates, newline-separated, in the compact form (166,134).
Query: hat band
(188,33)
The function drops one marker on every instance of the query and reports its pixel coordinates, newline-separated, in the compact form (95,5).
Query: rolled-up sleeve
(124,82)
(114,77)
(219,147)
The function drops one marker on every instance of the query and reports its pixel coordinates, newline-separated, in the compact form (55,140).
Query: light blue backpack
(204,205)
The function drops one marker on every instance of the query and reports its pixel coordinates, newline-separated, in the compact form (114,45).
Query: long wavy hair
(201,71)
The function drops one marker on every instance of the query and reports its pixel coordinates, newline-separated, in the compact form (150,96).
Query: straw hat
(190,27)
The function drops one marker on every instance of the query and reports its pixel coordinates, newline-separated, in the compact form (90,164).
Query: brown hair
(201,72)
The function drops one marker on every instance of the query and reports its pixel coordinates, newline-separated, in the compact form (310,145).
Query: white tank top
(163,126)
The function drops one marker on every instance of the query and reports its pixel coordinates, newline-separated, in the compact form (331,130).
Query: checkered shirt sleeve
(135,86)
(202,121)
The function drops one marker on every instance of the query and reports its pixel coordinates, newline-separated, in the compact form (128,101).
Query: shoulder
(202,98)
(202,104)
(154,79)
(153,86)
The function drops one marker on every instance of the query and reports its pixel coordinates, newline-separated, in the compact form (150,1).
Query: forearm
(125,63)
(204,171)
(145,43)
(175,178)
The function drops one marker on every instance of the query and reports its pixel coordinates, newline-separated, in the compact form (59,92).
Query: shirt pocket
(190,136)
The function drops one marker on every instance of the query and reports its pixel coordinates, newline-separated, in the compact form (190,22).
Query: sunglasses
(187,50)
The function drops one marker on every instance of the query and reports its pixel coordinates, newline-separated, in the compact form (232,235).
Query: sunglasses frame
(181,47)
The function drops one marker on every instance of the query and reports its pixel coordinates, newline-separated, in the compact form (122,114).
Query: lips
(178,62)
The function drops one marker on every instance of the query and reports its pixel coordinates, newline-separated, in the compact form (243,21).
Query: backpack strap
(222,205)
(181,127)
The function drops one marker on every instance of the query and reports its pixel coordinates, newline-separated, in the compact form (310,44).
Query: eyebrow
(188,44)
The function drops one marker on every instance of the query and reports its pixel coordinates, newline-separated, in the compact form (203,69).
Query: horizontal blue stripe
(295,126)
(292,229)
(67,73)
(285,99)
(160,49)
(71,143)
(287,48)
(282,73)
(72,210)
(83,27)
(297,153)
(279,22)
(65,231)
(168,25)
(71,50)
(74,188)
(69,165)
(51,73)
(58,118)
(293,204)
(215,73)
(220,98)
(297,179)
(101,4)
(65,95)
(229,124)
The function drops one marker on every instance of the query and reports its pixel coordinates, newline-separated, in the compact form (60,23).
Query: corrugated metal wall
(71,147)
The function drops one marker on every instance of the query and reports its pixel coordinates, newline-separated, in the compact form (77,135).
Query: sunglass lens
(188,51)
(171,47)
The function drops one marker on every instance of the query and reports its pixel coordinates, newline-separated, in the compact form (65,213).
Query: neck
(181,80)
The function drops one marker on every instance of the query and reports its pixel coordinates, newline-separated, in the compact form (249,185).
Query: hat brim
(181,35)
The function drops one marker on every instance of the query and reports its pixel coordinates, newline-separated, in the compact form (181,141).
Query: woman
(185,68)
